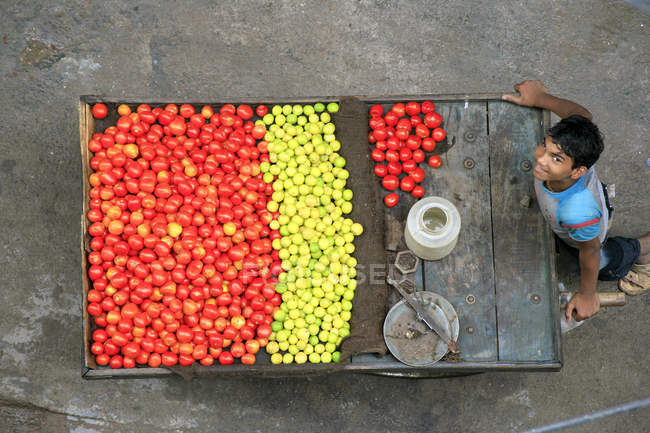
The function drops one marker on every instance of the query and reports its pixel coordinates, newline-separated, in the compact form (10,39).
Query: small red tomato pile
(401,137)
(181,267)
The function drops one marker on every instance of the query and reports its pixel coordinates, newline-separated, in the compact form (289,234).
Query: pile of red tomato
(181,266)
(401,137)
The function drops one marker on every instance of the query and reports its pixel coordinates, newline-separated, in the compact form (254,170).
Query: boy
(575,203)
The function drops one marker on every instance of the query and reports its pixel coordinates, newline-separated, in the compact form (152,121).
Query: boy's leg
(644,257)
(623,259)
(618,255)
(637,280)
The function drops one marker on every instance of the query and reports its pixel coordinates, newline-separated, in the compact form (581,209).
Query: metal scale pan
(410,340)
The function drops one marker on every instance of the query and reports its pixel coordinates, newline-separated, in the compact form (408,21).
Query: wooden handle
(614,299)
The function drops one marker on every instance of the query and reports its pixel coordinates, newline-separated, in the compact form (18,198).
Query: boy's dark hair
(579,138)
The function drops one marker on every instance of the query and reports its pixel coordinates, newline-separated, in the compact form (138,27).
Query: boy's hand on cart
(535,94)
(584,306)
(531,94)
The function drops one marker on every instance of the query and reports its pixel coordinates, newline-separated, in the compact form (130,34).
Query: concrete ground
(596,52)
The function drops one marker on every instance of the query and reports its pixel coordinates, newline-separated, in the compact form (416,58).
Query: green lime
(332,107)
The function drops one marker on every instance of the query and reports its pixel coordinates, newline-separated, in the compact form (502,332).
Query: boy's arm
(534,94)
(586,302)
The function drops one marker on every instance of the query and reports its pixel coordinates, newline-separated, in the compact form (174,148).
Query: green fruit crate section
(309,182)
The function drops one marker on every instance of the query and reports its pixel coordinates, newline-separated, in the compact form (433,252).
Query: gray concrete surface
(596,52)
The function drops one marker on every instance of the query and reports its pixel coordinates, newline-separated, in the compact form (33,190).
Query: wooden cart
(500,278)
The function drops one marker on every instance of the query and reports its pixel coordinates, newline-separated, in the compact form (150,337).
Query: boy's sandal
(638,278)
(629,288)
(642,269)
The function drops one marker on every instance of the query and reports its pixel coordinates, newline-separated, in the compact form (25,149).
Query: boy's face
(553,165)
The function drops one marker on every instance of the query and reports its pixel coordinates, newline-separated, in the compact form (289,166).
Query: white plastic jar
(432,228)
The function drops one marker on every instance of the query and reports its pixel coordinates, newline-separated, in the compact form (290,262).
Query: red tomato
(405,154)
(184,334)
(154,360)
(169,359)
(147,117)
(413,142)
(418,156)
(417,175)
(376,110)
(207,112)
(116,361)
(381,170)
(244,111)
(110,348)
(124,123)
(258,132)
(381,134)
(226,358)
(412,108)
(391,118)
(394,168)
(409,165)
(377,155)
(97,348)
(390,182)
(100,335)
(261,110)
(264,331)
(405,124)
(438,134)
(200,351)
(376,123)
(435,161)
(402,133)
(197,120)
(391,199)
(186,111)
(131,350)
(237,349)
(392,155)
(237,321)
(177,126)
(417,191)
(393,143)
(228,109)
(99,111)
(407,183)
(248,359)
(247,332)
(165,117)
(229,332)
(252,347)
(428,144)
(399,109)
(143,108)
(421,130)
(102,359)
(428,107)
(432,119)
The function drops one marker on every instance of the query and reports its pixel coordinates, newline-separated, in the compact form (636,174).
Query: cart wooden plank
(466,277)
(526,296)
(86,129)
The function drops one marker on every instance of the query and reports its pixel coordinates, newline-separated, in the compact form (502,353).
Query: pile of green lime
(318,283)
